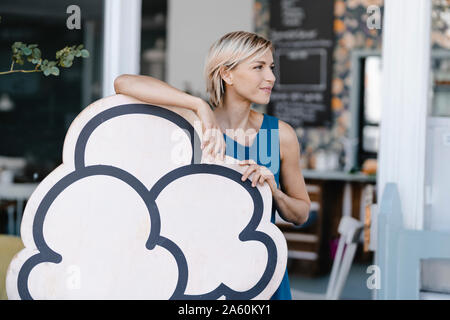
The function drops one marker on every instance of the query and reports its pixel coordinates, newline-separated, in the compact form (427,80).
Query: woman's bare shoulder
(288,138)
(287,133)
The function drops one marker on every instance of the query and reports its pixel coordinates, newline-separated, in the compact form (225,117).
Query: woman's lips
(268,90)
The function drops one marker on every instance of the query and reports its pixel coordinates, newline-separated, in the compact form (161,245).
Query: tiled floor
(355,287)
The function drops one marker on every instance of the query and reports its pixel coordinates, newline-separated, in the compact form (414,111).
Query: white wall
(192,27)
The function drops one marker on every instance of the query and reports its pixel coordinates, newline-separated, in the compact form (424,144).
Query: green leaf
(26,51)
(55,71)
(47,71)
(64,63)
(16,45)
(84,53)
(36,53)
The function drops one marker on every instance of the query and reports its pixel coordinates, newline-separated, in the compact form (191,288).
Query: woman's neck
(234,114)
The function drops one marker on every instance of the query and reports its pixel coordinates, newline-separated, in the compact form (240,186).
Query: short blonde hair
(228,52)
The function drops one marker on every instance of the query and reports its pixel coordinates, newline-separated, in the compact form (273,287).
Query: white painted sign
(446,139)
(132,213)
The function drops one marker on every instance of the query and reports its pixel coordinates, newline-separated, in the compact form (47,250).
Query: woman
(238,73)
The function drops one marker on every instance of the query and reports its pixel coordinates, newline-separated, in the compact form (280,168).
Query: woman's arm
(292,200)
(152,90)
(157,92)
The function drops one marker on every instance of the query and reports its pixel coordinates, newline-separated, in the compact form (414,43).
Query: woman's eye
(260,67)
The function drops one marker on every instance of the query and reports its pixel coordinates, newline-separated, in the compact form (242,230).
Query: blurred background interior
(329,88)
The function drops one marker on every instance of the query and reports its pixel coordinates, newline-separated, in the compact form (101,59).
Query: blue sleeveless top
(265,151)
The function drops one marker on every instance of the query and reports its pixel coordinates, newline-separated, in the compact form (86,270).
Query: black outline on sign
(149,196)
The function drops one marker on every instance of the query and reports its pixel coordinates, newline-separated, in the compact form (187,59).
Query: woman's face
(253,79)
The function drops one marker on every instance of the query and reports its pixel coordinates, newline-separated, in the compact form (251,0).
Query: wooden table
(343,193)
(14,196)
(337,194)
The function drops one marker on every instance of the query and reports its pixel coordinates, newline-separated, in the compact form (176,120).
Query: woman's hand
(262,174)
(213,143)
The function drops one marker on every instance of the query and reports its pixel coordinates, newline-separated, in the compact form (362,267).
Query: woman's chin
(262,101)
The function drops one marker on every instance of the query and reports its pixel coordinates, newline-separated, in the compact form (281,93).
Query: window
(365,105)
(36,111)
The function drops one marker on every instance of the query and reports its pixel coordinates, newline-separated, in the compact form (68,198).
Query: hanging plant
(22,52)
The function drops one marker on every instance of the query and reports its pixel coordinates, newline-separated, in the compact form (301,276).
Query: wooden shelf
(306,243)
(337,175)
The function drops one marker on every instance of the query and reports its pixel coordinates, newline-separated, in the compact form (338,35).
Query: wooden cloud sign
(133,213)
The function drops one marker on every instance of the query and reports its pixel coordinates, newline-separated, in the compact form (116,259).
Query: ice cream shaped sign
(134,213)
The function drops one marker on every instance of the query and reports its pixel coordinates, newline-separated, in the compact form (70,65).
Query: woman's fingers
(219,148)
(206,137)
(247,162)
(216,144)
(262,173)
(252,167)
(262,179)
(213,144)
(249,171)
(256,178)
(212,134)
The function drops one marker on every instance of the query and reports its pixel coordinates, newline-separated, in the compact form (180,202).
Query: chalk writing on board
(291,14)
(302,33)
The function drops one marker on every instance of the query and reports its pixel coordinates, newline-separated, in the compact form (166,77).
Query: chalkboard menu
(302,33)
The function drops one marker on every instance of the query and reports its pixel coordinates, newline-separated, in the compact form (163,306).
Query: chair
(350,230)
(13,197)
(9,246)
(305,242)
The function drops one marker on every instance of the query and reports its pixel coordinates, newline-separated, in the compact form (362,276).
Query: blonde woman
(238,72)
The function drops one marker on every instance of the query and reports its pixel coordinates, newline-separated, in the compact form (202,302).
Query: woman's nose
(270,77)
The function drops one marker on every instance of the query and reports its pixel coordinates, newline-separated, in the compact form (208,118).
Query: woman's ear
(226,75)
